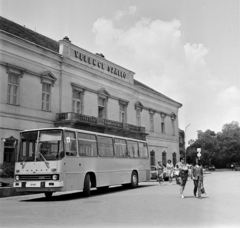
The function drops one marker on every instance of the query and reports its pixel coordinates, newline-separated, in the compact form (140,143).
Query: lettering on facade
(91,61)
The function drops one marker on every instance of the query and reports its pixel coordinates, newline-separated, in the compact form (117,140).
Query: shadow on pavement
(79,195)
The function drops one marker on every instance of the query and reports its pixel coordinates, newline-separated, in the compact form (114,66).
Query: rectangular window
(105,146)
(46,96)
(151,122)
(152,158)
(87,145)
(173,127)
(120,146)
(123,109)
(132,149)
(162,125)
(138,117)
(164,158)
(101,108)
(70,143)
(77,102)
(143,150)
(13,89)
(174,158)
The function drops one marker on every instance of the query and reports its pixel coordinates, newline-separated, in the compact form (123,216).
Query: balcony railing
(79,118)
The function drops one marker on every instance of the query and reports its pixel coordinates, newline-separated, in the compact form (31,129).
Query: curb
(10,191)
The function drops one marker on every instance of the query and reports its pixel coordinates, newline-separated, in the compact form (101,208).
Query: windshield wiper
(45,161)
(23,163)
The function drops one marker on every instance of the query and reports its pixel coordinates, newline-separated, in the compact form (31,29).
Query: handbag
(203,190)
(179,181)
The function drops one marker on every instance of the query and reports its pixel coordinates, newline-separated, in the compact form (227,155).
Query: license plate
(33,184)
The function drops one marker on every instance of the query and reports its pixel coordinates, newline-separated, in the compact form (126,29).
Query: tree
(219,149)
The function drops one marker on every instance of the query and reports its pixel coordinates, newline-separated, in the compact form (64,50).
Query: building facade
(45,83)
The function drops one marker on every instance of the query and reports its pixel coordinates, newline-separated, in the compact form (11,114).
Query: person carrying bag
(197,177)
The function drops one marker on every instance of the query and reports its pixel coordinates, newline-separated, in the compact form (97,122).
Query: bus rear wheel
(87,185)
(134,179)
(48,195)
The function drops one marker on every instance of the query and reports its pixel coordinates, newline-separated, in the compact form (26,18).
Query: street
(149,205)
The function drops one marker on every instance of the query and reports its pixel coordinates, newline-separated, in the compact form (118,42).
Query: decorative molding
(123,102)
(14,70)
(138,105)
(103,93)
(163,115)
(47,76)
(173,116)
(78,88)
(151,111)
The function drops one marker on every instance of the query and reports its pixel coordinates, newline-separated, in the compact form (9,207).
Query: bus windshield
(43,145)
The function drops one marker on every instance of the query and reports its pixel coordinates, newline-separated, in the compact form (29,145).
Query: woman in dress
(197,176)
(170,171)
(183,175)
(160,169)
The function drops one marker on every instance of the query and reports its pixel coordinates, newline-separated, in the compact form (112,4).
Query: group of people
(181,171)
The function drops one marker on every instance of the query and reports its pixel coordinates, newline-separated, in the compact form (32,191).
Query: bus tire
(87,185)
(134,179)
(48,195)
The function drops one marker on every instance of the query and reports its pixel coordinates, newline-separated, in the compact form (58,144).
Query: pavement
(7,189)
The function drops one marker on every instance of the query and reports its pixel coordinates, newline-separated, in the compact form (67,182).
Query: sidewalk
(6,188)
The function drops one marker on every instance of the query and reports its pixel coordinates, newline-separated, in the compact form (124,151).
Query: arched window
(152,157)
(174,158)
(164,158)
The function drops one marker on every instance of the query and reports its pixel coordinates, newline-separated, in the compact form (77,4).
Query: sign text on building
(99,64)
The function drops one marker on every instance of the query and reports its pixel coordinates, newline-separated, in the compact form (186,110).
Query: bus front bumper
(38,186)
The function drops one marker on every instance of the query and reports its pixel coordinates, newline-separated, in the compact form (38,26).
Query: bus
(66,159)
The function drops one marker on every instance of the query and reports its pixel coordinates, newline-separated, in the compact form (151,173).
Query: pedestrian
(160,169)
(232,166)
(197,176)
(170,171)
(183,175)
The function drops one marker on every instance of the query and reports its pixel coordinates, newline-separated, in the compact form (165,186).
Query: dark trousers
(197,186)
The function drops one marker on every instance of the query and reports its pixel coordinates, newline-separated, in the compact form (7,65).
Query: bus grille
(35,177)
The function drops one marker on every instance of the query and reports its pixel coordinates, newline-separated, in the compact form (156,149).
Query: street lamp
(185,142)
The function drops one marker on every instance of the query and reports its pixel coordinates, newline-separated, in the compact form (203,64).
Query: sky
(188,50)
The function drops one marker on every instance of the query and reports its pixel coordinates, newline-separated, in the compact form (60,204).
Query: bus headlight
(17,178)
(54,177)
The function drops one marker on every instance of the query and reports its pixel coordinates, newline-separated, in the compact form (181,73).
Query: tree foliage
(220,149)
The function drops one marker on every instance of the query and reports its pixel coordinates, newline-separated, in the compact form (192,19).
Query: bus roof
(83,131)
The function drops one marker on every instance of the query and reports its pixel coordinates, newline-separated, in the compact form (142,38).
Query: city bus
(66,159)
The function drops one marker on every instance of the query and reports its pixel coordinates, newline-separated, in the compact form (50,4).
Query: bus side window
(120,146)
(143,150)
(70,143)
(105,146)
(133,149)
(87,145)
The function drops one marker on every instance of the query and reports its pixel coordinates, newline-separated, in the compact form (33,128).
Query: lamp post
(185,142)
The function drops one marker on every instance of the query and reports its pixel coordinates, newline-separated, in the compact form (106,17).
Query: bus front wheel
(134,179)
(87,186)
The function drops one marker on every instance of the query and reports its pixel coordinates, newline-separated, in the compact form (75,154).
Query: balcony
(91,123)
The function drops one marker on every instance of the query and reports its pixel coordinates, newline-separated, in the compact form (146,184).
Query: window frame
(99,151)
(12,85)
(103,107)
(126,154)
(49,93)
(163,124)
(72,153)
(138,116)
(96,143)
(151,115)
(136,142)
